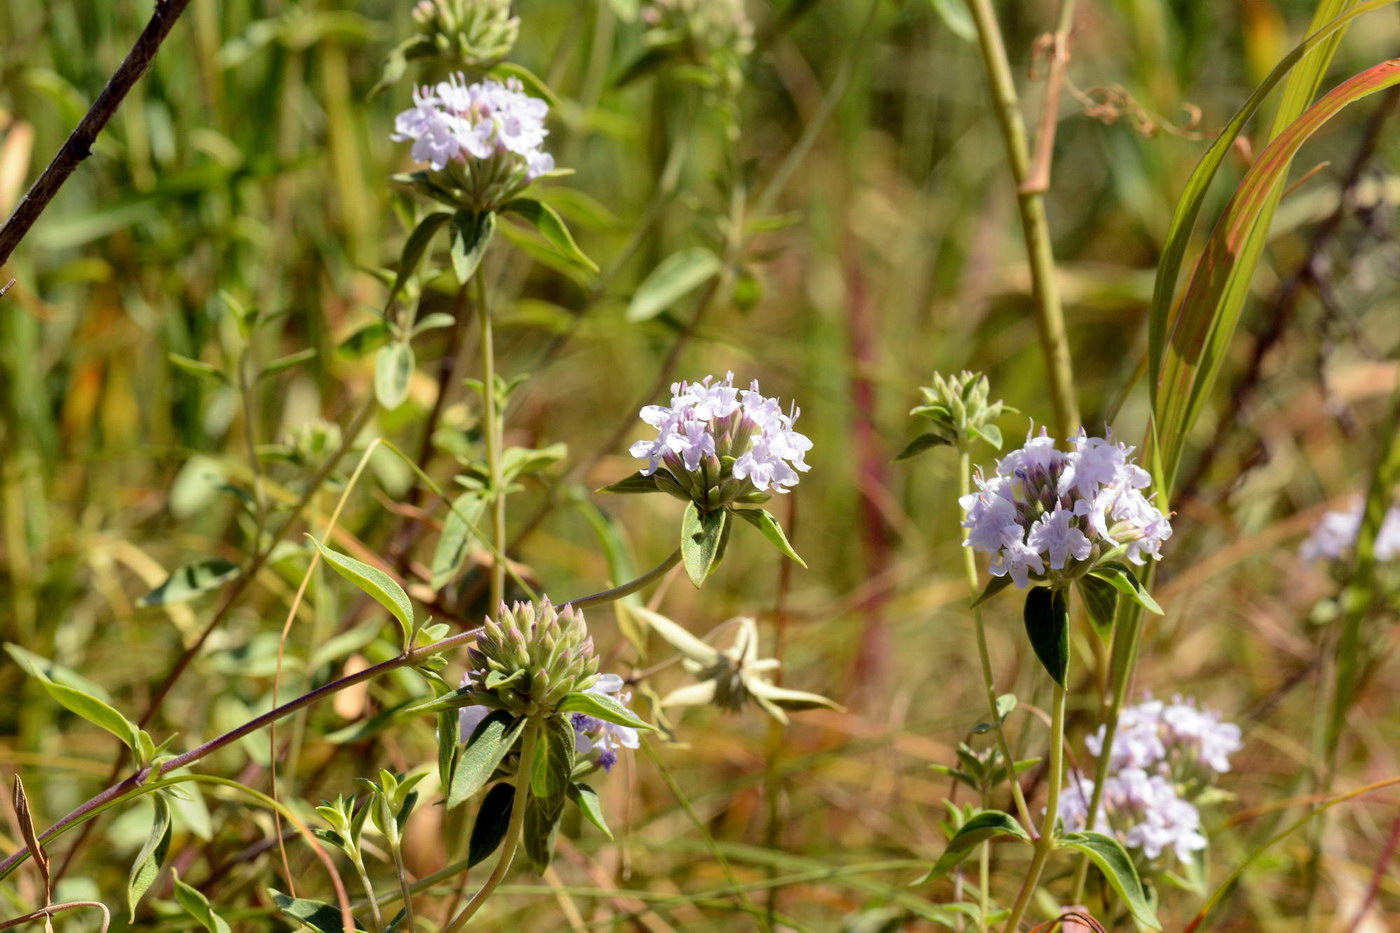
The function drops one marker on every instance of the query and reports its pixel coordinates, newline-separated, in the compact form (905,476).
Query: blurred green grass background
(251,160)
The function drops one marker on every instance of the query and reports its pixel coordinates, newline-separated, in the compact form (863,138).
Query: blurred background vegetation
(253,161)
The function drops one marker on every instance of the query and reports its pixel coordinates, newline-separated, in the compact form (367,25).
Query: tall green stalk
(1049,315)
(988,680)
(492,435)
(1045,844)
(512,840)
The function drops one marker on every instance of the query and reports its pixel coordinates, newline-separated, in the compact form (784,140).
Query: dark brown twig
(79,145)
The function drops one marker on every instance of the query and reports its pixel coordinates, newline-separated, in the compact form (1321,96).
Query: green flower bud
(959,411)
(530,657)
(474,34)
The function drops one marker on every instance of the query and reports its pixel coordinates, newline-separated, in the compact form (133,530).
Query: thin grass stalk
(1049,315)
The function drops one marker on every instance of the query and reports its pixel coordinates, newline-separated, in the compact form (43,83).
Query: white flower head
(1051,508)
(1179,740)
(716,443)
(484,141)
(1143,810)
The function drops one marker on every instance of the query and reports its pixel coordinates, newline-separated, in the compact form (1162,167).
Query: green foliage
(1046,615)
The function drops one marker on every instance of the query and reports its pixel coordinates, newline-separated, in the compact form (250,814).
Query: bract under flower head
(597,735)
(530,657)
(1052,514)
(483,141)
(717,444)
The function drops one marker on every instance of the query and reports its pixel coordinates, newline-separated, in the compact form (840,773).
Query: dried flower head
(717,444)
(483,141)
(1052,515)
(729,678)
(530,657)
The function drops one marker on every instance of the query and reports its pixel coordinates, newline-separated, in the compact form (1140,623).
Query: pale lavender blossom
(1046,506)
(456,122)
(715,442)
(1334,536)
(1143,810)
(593,734)
(1178,739)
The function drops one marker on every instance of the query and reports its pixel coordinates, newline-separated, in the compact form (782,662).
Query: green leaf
(675,276)
(534,85)
(989,433)
(1101,601)
(1122,578)
(701,533)
(190,581)
(376,583)
(956,17)
(470,235)
(988,824)
(1005,704)
(197,906)
(419,239)
(393,371)
(920,444)
(488,746)
(601,706)
(315,914)
(636,483)
(287,362)
(1108,854)
(95,711)
(454,544)
(769,527)
(370,337)
(994,586)
(435,321)
(541,828)
(197,368)
(44,669)
(152,855)
(1047,626)
(551,226)
(492,821)
(554,760)
(586,799)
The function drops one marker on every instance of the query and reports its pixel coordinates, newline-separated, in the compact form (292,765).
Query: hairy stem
(512,840)
(1049,316)
(627,589)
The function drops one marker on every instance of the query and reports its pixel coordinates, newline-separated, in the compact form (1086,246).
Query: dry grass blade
(31,838)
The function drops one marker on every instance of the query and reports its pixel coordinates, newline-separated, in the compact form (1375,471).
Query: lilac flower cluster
(1177,739)
(455,122)
(590,734)
(1335,534)
(1049,509)
(717,443)
(1143,809)
(1163,756)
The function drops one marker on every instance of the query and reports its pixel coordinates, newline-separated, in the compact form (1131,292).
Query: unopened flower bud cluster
(1050,514)
(466,33)
(530,657)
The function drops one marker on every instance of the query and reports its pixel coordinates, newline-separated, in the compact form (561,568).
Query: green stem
(1049,316)
(988,680)
(627,589)
(376,918)
(512,840)
(396,852)
(1046,843)
(491,428)
(984,874)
